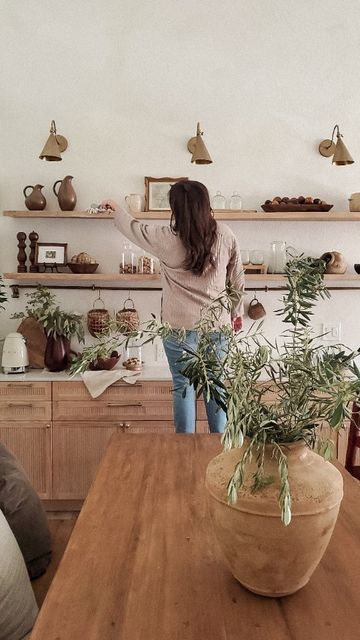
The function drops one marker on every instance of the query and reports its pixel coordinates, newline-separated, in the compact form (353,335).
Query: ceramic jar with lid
(218,201)
(235,201)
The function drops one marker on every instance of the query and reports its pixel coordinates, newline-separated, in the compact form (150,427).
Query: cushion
(18,608)
(25,514)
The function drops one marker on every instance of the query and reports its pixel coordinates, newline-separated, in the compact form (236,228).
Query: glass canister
(235,201)
(128,261)
(132,358)
(278,256)
(218,201)
(146,264)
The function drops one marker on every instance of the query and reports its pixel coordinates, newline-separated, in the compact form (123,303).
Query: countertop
(155,372)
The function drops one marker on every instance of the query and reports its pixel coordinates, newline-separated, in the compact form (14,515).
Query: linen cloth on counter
(97,382)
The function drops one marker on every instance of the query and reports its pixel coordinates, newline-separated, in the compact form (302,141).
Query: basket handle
(128,299)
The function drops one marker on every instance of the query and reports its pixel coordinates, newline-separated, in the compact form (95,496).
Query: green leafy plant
(41,305)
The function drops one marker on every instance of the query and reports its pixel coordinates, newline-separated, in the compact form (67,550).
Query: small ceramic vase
(65,194)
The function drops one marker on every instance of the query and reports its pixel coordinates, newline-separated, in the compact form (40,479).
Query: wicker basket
(97,319)
(128,318)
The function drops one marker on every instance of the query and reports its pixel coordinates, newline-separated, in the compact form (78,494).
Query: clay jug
(335,262)
(65,194)
(36,200)
(263,554)
(57,353)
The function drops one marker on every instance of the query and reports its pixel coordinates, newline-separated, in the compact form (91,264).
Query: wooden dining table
(143,563)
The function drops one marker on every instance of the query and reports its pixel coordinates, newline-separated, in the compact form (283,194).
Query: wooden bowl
(82,267)
(288,207)
(105,364)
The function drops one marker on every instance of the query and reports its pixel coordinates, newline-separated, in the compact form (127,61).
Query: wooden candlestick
(21,256)
(33,237)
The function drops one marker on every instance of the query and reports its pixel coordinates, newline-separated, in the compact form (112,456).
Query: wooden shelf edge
(220,214)
(79,277)
(94,277)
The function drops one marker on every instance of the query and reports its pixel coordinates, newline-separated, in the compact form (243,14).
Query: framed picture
(51,253)
(157,193)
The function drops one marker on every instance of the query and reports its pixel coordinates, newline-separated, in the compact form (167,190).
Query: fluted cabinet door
(30,442)
(77,451)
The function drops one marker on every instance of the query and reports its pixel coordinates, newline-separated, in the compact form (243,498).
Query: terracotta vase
(57,353)
(36,200)
(65,194)
(263,554)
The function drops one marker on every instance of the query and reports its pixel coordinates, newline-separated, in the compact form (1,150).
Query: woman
(198,258)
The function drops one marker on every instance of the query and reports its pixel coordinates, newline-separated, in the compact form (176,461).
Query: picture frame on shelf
(51,254)
(157,192)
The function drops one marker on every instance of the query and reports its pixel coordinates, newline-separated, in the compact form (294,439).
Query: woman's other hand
(237,324)
(109,204)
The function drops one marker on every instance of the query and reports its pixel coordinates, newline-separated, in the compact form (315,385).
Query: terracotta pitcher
(65,194)
(36,200)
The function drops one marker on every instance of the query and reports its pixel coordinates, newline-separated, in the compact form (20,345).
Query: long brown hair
(192,220)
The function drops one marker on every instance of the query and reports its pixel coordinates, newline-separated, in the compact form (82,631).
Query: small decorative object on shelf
(36,200)
(33,237)
(296,204)
(256,256)
(235,201)
(218,201)
(134,202)
(128,259)
(146,264)
(133,358)
(106,363)
(65,194)
(21,256)
(94,209)
(335,262)
(51,255)
(354,202)
(83,263)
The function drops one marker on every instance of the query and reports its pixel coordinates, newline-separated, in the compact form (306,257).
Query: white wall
(126,83)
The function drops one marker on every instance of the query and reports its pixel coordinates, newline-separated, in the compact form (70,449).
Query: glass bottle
(128,259)
(218,201)
(132,357)
(235,201)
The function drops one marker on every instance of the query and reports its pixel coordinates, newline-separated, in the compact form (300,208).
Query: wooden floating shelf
(220,214)
(80,277)
(119,277)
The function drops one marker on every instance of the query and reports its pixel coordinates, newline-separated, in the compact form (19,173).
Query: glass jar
(218,201)
(128,262)
(245,256)
(235,201)
(146,264)
(132,357)
(256,256)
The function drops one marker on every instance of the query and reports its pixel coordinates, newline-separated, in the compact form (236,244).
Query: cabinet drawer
(40,391)
(113,410)
(26,409)
(146,390)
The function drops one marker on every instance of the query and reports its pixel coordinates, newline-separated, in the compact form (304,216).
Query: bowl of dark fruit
(357,267)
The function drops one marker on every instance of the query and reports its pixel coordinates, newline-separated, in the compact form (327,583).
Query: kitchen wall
(127,82)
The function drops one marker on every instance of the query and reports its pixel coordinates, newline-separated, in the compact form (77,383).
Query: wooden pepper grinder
(33,237)
(21,256)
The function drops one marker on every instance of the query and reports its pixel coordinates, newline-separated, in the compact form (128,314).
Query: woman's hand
(237,323)
(109,204)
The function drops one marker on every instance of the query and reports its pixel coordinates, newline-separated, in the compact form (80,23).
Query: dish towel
(97,381)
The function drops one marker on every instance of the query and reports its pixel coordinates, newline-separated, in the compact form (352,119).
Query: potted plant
(59,327)
(279,399)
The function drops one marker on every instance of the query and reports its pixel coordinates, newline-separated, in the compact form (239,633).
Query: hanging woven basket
(98,319)
(128,318)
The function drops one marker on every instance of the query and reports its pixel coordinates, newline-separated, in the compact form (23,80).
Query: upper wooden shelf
(138,277)
(220,214)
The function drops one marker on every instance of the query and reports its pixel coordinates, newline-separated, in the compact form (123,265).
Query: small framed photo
(157,193)
(51,253)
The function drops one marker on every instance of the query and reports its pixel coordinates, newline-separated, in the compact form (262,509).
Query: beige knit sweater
(186,294)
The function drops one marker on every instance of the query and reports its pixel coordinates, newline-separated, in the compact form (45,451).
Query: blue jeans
(184,407)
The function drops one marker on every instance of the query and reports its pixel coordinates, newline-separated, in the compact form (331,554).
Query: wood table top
(143,563)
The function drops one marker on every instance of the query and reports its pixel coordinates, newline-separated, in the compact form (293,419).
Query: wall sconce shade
(196,146)
(54,146)
(340,153)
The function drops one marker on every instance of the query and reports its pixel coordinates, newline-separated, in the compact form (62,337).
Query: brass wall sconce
(196,146)
(54,146)
(338,151)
